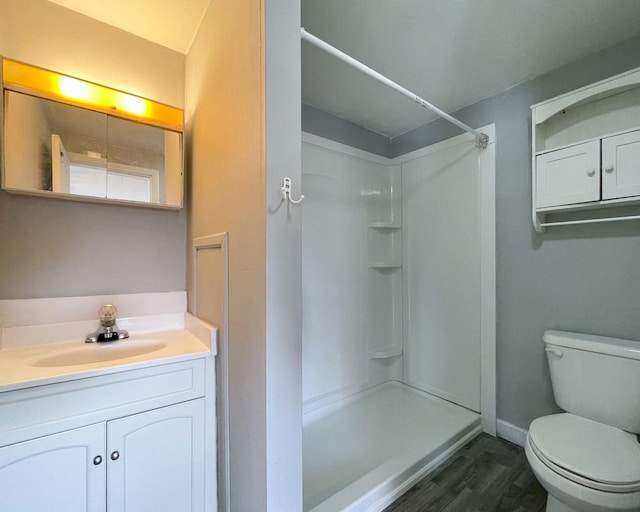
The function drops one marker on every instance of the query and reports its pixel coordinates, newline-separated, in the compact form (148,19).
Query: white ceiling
(451,52)
(171,23)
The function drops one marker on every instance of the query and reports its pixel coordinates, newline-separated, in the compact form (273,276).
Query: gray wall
(283,257)
(331,127)
(54,248)
(580,278)
(584,279)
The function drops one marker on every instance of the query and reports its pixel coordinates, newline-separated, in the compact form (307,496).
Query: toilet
(588,458)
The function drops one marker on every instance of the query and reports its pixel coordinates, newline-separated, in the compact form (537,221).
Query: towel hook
(286,191)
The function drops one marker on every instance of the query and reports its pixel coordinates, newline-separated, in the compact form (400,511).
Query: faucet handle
(108,314)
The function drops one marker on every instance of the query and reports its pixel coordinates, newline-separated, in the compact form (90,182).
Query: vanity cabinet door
(156,460)
(621,166)
(568,176)
(62,472)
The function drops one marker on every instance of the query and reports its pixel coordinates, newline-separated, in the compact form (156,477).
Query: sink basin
(100,353)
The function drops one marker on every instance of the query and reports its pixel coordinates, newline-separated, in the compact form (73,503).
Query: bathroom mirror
(56,149)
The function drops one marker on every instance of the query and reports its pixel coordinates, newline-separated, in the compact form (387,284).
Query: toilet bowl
(585,466)
(588,459)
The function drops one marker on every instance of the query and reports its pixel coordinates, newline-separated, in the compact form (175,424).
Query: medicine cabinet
(586,154)
(71,139)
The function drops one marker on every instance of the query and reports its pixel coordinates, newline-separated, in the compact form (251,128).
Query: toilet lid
(590,453)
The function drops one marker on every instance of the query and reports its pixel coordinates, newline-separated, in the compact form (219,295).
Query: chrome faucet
(108,330)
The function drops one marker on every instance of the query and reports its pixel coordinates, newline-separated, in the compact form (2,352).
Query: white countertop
(23,367)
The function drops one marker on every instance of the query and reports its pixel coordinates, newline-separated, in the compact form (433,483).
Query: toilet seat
(587,452)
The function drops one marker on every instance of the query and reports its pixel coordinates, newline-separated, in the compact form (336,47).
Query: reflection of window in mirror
(136,157)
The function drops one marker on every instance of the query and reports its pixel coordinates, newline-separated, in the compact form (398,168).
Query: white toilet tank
(596,377)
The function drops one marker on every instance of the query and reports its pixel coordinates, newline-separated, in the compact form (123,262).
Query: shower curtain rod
(482,140)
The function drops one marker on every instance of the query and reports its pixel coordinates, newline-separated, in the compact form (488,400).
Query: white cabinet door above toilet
(568,176)
(621,165)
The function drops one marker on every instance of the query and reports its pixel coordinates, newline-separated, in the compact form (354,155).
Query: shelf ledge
(385,225)
(385,264)
(385,353)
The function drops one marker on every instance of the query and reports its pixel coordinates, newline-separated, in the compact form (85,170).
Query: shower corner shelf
(386,352)
(384,225)
(385,264)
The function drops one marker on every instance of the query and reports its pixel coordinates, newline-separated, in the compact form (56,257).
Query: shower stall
(398,303)
(398,315)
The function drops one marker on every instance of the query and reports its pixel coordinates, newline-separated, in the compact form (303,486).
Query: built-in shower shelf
(385,264)
(386,352)
(385,225)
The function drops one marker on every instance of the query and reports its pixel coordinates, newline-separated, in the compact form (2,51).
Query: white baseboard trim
(511,433)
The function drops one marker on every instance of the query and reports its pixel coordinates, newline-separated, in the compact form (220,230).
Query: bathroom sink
(100,353)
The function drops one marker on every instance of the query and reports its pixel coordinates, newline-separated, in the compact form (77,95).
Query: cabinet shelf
(593,205)
(386,352)
(384,225)
(385,264)
(583,141)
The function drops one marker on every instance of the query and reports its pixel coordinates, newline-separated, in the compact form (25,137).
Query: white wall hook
(286,191)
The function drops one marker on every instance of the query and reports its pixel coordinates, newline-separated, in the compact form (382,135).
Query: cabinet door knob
(591,172)
(609,169)
(115,455)
(97,460)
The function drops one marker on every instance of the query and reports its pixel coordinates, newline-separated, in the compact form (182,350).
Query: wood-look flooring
(487,475)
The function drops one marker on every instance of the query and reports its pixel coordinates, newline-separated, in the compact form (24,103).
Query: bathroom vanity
(120,426)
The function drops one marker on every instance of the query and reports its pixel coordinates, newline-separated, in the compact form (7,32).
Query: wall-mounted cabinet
(569,175)
(621,166)
(586,154)
(69,139)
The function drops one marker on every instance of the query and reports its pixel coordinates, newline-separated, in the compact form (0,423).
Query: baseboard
(511,433)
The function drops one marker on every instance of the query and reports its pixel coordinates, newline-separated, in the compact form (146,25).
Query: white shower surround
(486,206)
(333,419)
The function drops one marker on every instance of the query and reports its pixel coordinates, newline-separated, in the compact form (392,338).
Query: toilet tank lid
(591,343)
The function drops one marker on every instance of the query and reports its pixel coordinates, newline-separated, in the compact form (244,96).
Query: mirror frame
(51,85)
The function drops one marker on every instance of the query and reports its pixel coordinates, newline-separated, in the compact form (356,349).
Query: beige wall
(44,34)
(58,248)
(226,174)
(243,121)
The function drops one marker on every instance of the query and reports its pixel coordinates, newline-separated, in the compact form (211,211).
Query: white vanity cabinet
(148,462)
(56,473)
(155,460)
(586,154)
(141,449)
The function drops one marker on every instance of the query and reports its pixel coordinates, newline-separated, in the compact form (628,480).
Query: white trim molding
(219,242)
(511,433)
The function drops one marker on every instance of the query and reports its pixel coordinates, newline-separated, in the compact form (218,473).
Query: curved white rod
(286,192)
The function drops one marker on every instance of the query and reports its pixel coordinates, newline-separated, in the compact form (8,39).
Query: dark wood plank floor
(487,475)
